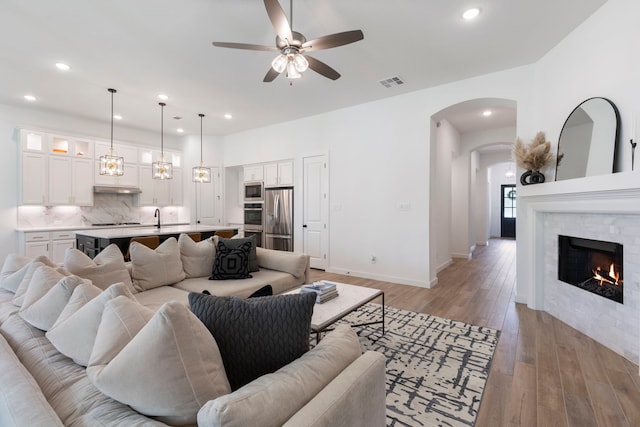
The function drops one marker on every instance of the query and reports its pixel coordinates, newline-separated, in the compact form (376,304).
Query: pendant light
(201,173)
(110,164)
(162,169)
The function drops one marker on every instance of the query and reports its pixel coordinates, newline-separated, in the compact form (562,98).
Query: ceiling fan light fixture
(279,63)
(292,72)
(300,62)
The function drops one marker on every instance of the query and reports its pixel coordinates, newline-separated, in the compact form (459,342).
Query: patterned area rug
(436,368)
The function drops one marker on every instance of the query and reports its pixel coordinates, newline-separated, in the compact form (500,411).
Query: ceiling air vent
(392,81)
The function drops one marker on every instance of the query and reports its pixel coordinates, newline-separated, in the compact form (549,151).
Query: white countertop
(85,227)
(114,233)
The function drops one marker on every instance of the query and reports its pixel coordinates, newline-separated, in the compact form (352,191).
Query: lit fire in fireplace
(611,277)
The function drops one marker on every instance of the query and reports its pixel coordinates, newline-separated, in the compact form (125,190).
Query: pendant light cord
(112,92)
(162,104)
(201,116)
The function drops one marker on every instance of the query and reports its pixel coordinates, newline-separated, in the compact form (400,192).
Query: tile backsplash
(107,208)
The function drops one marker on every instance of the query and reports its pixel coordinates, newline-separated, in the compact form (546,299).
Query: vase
(532,177)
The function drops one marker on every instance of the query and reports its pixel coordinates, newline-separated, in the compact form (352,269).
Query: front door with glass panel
(508,211)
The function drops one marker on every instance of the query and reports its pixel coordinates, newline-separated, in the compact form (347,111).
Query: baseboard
(380,277)
(463,256)
(443,266)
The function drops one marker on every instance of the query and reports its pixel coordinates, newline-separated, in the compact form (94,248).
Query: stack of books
(324,290)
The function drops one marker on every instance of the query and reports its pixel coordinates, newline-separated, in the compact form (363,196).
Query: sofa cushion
(75,335)
(121,320)
(231,263)
(170,368)
(279,281)
(13,270)
(107,268)
(197,257)
(26,279)
(235,242)
(156,297)
(256,336)
(156,267)
(294,385)
(290,262)
(43,311)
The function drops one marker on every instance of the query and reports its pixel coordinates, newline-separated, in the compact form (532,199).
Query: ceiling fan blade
(271,75)
(322,68)
(333,40)
(278,19)
(246,46)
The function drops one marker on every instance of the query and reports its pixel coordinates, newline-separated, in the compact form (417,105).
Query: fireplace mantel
(617,193)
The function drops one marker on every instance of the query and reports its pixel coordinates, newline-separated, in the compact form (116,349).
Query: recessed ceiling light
(30,98)
(179,130)
(163,97)
(62,66)
(228,116)
(470,14)
(487,113)
(117,116)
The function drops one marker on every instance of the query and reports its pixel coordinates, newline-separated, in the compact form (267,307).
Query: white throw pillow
(47,296)
(107,268)
(168,370)
(197,257)
(26,279)
(122,319)
(13,270)
(81,295)
(75,335)
(154,268)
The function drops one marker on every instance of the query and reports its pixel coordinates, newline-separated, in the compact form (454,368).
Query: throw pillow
(231,263)
(107,268)
(236,241)
(26,279)
(81,295)
(197,257)
(121,320)
(152,268)
(256,336)
(13,270)
(43,311)
(290,262)
(74,336)
(170,368)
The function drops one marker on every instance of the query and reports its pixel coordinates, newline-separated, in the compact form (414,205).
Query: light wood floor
(544,372)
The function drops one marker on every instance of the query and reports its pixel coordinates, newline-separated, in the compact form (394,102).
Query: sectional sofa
(103,342)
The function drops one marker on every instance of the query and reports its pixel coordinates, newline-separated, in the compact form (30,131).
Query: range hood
(113,189)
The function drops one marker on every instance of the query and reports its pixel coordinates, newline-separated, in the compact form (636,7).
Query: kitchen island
(92,241)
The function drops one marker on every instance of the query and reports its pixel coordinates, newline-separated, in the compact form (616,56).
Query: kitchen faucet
(156,214)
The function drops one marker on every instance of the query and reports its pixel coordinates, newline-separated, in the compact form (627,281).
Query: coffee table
(349,299)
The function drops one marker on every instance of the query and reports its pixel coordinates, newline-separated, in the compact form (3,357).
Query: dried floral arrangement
(533,156)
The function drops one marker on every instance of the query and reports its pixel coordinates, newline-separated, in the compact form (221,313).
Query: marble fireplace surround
(613,198)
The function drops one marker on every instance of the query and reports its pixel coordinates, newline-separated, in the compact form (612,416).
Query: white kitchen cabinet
(209,200)
(155,192)
(70,181)
(253,173)
(34,178)
(278,174)
(130,155)
(175,188)
(50,244)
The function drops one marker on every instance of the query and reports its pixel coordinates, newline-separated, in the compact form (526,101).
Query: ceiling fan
(293,46)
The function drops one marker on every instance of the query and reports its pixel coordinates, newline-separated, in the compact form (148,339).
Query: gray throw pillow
(231,263)
(234,243)
(257,336)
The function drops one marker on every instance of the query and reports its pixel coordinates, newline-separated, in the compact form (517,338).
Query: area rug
(436,368)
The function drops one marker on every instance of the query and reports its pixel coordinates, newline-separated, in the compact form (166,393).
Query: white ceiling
(145,47)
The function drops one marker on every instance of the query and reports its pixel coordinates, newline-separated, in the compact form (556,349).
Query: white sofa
(333,384)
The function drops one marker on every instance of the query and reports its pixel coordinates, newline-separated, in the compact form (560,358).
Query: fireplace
(592,265)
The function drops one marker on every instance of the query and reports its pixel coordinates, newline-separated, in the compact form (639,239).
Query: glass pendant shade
(279,63)
(201,173)
(110,164)
(300,63)
(162,169)
(292,73)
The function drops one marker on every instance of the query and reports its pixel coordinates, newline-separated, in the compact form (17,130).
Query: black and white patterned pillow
(256,336)
(231,263)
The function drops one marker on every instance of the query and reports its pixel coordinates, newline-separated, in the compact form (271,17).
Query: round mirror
(588,140)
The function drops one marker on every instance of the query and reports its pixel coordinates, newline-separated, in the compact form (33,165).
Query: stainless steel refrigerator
(278,224)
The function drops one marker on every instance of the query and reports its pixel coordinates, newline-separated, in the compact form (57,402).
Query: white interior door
(315,225)
(209,200)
